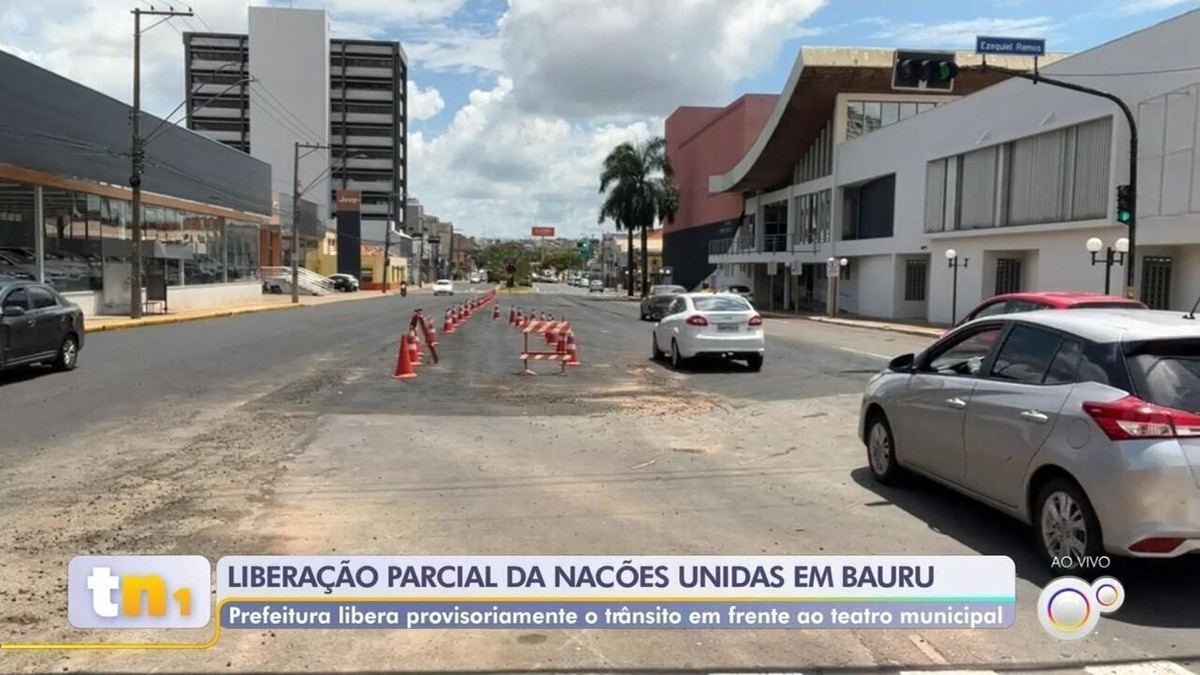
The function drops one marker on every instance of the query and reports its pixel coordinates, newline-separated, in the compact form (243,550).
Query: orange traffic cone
(404,367)
(512,316)
(495,312)
(561,347)
(414,344)
(430,333)
(572,350)
(448,326)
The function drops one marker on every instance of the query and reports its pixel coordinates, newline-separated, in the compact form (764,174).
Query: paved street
(282,433)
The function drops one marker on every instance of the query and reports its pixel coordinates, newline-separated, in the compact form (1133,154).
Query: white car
(723,325)
(443,287)
(595,286)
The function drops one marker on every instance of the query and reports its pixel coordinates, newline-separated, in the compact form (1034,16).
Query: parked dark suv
(37,325)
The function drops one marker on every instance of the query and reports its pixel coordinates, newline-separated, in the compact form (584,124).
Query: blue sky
(514,103)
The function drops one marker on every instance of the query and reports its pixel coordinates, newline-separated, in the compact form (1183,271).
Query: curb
(218,314)
(890,328)
(139,323)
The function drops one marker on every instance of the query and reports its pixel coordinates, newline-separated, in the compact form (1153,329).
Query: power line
(1161,71)
(268,92)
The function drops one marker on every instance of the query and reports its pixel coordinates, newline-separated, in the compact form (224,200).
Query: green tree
(496,258)
(562,259)
(636,181)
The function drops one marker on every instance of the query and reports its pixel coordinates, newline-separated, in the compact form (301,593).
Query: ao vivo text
(1066,562)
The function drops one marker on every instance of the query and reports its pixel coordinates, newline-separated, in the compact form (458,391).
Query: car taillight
(1157,545)
(756,320)
(696,320)
(1131,418)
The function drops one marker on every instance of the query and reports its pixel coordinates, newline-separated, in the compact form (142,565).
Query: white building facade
(1014,179)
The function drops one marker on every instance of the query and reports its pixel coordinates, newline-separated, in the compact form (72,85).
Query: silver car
(1084,424)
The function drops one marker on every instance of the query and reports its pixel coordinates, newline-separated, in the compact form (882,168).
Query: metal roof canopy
(806,105)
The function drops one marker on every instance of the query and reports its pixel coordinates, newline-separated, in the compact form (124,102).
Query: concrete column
(39,233)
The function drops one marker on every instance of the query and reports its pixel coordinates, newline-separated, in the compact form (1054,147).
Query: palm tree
(636,182)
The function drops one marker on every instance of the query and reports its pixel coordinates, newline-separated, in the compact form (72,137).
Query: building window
(863,117)
(1156,281)
(935,195)
(977,173)
(1008,275)
(1057,176)
(870,209)
(916,272)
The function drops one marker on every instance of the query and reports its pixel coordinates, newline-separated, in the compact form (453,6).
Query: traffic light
(924,70)
(1124,204)
(585,250)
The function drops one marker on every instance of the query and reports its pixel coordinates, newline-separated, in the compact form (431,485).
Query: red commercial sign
(349,200)
(543,231)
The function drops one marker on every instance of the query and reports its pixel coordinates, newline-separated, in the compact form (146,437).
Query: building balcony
(360,163)
(231,65)
(360,71)
(212,112)
(353,94)
(770,248)
(364,118)
(223,136)
(369,141)
(384,186)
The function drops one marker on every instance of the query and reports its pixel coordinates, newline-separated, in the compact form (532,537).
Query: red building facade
(703,142)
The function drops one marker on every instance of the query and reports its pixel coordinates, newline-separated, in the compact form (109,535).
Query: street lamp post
(833,273)
(953,262)
(1113,255)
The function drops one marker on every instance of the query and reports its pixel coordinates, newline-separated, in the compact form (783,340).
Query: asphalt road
(282,433)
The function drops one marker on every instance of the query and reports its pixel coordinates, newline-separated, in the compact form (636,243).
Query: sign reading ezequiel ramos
(349,232)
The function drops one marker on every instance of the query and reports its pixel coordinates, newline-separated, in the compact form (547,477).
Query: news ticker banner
(483,592)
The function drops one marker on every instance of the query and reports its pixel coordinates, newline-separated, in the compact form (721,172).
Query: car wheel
(655,352)
(881,451)
(1065,523)
(755,362)
(677,361)
(68,354)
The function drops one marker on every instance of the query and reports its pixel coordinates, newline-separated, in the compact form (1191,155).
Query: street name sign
(985,44)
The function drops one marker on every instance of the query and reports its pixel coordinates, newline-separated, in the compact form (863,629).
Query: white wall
(868,290)
(289,55)
(1168,110)
(185,298)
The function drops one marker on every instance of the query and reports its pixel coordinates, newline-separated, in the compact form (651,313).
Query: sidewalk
(920,328)
(268,303)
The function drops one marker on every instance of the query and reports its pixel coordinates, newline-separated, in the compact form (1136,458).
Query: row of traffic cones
(411,355)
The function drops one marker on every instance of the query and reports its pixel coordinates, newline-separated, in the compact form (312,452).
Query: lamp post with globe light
(1113,255)
(833,273)
(953,262)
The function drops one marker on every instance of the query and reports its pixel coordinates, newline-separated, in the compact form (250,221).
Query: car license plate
(727,327)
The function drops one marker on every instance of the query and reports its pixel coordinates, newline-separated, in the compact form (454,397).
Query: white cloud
(1144,6)
(454,50)
(962,33)
(423,103)
(592,57)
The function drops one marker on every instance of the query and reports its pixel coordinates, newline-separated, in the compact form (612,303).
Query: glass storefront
(86,239)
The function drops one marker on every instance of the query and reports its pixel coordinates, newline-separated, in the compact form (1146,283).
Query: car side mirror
(13,310)
(903,364)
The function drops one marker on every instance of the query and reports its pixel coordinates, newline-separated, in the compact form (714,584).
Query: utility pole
(387,240)
(296,192)
(138,158)
(1036,77)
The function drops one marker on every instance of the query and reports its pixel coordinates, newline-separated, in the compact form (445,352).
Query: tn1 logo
(122,595)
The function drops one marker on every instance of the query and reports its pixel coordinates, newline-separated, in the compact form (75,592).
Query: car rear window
(666,290)
(1167,372)
(719,304)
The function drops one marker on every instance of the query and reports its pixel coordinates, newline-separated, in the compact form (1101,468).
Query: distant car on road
(37,325)
(660,297)
(595,286)
(475,278)
(1084,424)
(344,282)
(443,287)
(722,325)
(743,291)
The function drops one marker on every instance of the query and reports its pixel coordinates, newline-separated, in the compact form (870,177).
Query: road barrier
(543,327)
